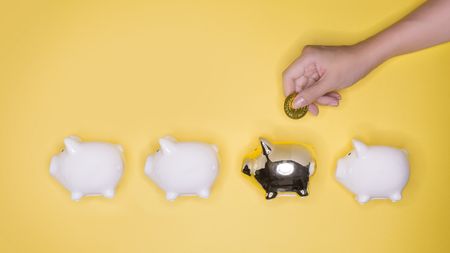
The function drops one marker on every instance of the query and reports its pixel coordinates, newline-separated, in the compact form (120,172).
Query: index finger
(293,72)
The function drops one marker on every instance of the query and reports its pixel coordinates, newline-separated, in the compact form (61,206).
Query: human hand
(321,71)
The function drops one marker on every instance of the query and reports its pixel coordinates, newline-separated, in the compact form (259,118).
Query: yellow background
(130,72)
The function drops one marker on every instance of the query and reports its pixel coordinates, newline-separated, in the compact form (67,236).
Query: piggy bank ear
(266,146)
(167,144)
(72,143)
(360,147)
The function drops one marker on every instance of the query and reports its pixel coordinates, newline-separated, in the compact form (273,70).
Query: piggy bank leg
(76,196)
(396,197)
(303,192)
(171,196)
(109,193)
(203,193)
(362,198)
(271,194)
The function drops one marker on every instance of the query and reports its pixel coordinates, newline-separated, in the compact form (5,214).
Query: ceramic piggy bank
(88,168)
(183,168)
(281,168)
(374,172)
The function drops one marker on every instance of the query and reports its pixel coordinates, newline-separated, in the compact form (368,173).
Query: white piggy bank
(88,168)
(183,168)
(374,172)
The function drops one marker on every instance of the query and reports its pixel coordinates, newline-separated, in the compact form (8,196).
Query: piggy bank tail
(404,151)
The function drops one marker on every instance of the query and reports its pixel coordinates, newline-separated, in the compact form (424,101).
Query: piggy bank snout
(54,165)
(149,165)
(341,170)
(246,170)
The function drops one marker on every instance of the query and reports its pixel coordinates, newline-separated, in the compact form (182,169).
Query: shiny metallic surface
(281,168)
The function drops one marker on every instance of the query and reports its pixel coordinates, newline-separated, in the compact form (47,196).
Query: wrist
(372,51)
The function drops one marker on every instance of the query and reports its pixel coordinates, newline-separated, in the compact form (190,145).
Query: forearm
(427,26)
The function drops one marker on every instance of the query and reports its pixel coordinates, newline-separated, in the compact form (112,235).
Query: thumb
(311,94)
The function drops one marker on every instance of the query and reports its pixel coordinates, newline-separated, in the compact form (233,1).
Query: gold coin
(291,111)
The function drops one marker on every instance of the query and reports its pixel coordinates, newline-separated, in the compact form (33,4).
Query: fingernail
(334,103)
(299,102)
